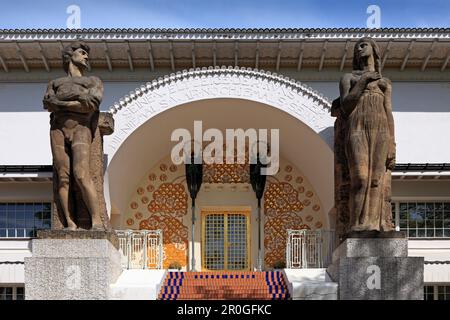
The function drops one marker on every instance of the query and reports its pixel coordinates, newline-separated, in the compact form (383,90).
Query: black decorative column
(194,177)
(258,182)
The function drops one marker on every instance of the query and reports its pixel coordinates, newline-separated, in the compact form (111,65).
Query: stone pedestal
(377,269)
(63,267)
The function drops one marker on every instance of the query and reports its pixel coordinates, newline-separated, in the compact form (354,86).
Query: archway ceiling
(149,143)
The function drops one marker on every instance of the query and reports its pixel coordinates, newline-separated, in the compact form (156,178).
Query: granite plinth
(373,234)
(367,247)
(71,269)
(377,269)
(109,235)
(381,278)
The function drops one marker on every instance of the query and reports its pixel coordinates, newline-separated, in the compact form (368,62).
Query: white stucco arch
(294,99)
(162,94)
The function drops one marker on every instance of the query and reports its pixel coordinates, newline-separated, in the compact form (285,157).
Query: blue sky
(223,13)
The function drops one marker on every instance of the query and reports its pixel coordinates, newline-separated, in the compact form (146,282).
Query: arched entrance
(138,152)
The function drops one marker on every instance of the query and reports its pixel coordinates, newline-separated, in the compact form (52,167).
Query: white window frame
(14,287)
(436,286)
(397,200)
(28,202)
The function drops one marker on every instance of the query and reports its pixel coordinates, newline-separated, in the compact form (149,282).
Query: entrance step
(137,284)
(221,285)
(311,284)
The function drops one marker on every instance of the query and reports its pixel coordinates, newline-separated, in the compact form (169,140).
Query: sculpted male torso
(74,102)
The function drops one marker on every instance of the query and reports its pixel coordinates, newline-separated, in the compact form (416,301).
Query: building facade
(157,81)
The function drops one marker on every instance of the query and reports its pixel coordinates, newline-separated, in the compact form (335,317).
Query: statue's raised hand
(370,76)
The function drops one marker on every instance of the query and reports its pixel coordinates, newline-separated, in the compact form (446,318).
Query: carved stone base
(377,269)
(71,268)
(109,235)
(375,235)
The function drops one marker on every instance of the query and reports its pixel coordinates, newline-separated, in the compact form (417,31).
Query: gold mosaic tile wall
(161,201)
(289,203)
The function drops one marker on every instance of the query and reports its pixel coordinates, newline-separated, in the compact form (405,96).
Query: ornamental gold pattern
(169,198)
(285,207)
(280,198)
(227,173)
(161,200)
(175,237)
(165,202)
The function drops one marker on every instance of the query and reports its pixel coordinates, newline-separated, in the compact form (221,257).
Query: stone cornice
(222,34)
(236,71)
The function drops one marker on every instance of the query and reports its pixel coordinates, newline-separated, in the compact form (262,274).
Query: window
(428,292)
(423,219)
(436,292)
(12,293)
(20,293)
(443,293)
(22,220)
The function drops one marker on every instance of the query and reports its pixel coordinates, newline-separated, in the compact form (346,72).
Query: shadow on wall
(328,136)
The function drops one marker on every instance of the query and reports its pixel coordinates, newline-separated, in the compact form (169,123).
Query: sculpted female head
(364,48)
(77,53)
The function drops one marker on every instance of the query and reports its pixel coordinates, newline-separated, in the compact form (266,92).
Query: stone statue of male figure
(74,105)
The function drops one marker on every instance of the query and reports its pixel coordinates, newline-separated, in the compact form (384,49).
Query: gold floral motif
(140,191)
(288,177)
(175,239)
(138,215)
(309,218)
(152,177)
(134,205)
(299,180)
(301,189)
(227,173)
(163,167)
(309,193)
(275,235)
(306,202)
(316,207)
(318,225)
(173,168)
(163,177)
(288,168)
(281,197)
(173,254)
(170,198)
(144,200)
(150,188)
(130,221)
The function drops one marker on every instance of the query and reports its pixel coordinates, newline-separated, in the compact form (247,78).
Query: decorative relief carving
(281,198)
(285,207)
(175,236)
(170,198)
(269,88)
(162,204)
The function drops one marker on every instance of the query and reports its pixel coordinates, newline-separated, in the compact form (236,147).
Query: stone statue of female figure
(369,143)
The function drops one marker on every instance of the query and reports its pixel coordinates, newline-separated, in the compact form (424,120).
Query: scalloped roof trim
(229,30)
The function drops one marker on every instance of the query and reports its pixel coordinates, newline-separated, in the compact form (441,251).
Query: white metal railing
(141,249)
(309,248)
